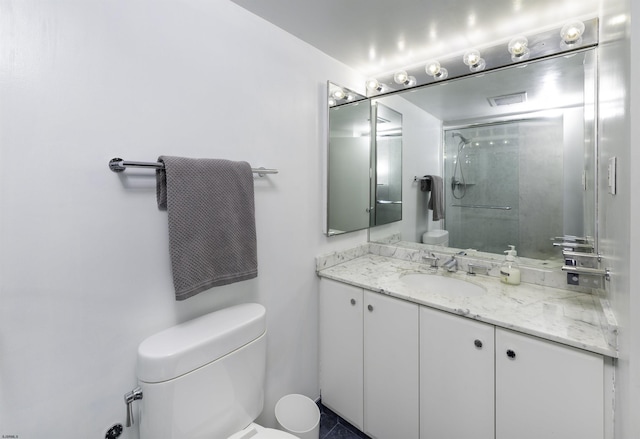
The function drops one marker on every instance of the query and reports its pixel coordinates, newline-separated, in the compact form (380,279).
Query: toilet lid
(255,431)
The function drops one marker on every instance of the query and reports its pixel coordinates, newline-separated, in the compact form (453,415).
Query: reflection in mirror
(387,192)
(349,165)
(519,174)
(364,177)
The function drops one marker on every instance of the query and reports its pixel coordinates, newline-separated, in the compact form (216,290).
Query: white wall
(619,236)
(85,272)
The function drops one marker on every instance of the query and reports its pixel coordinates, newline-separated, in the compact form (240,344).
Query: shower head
(464,139)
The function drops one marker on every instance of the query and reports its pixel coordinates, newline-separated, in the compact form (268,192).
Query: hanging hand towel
(212,231)
(436,200)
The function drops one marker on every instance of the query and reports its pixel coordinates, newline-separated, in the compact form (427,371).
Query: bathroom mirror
(516,150)
(386,179)
(364,163)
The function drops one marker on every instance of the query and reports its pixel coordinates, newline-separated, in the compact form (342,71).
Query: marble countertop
(572,318)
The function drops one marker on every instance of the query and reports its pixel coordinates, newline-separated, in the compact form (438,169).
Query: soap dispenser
(509,270)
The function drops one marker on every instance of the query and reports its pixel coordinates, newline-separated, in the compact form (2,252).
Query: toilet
(436,237)
(204,379)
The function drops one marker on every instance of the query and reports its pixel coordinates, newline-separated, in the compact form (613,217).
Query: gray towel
(436,200)
(212,230)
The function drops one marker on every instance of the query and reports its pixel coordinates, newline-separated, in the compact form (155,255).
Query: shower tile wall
(516,165)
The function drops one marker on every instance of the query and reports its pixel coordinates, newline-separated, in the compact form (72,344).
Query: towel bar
(482,206)
(119,165)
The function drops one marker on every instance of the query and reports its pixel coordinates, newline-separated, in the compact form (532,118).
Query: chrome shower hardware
(129,397)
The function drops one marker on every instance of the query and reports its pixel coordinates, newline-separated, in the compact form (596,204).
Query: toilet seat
(255,431)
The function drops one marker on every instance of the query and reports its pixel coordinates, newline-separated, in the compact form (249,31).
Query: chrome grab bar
(482,206)
(388,202)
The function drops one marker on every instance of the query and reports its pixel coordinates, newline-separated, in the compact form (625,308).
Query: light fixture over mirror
(524,47)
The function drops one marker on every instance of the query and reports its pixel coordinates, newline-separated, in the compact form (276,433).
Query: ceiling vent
(514,98)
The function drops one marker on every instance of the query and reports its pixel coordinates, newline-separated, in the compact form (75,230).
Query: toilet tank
(204,378)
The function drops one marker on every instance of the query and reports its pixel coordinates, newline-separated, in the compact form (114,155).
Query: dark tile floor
(333,426)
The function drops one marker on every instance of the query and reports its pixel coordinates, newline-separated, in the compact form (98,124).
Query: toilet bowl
(204,379)
(436,237)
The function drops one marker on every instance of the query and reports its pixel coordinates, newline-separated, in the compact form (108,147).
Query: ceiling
(378,36)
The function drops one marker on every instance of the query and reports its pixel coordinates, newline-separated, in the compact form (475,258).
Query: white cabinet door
(546,390)
(456,377)
(341,350)
(391,386)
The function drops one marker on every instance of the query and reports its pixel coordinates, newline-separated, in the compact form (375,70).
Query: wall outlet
(573,279)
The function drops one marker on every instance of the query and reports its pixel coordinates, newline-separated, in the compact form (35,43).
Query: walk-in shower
(505,186)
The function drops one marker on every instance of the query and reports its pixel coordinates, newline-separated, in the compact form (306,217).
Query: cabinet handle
(370,307)
(478,343)
(511,354)
(353,301)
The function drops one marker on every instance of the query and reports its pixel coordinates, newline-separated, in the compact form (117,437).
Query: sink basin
(445,286)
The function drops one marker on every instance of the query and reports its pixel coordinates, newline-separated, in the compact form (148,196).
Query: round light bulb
(411,81)
(471,57)
(332,102)
(571,33)
(518,48)
(433,68)
(373,85)
(400,77)
(474,61)
(339,94)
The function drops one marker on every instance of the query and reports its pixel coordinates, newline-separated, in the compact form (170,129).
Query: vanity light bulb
(332,102)
(373,85)
(518,48)
(571,33)
(473,59)
(434,69)
(339,94)
(400,77)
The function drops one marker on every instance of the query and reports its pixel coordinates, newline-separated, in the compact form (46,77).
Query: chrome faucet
(451,264)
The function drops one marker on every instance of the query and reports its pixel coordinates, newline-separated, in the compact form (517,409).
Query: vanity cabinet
(541,389)
(395,369)
(456,377)
(369,360)
(547,390)
(341,350)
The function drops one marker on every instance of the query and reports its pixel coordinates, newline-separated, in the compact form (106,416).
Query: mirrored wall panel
(364,163)
(516,154)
